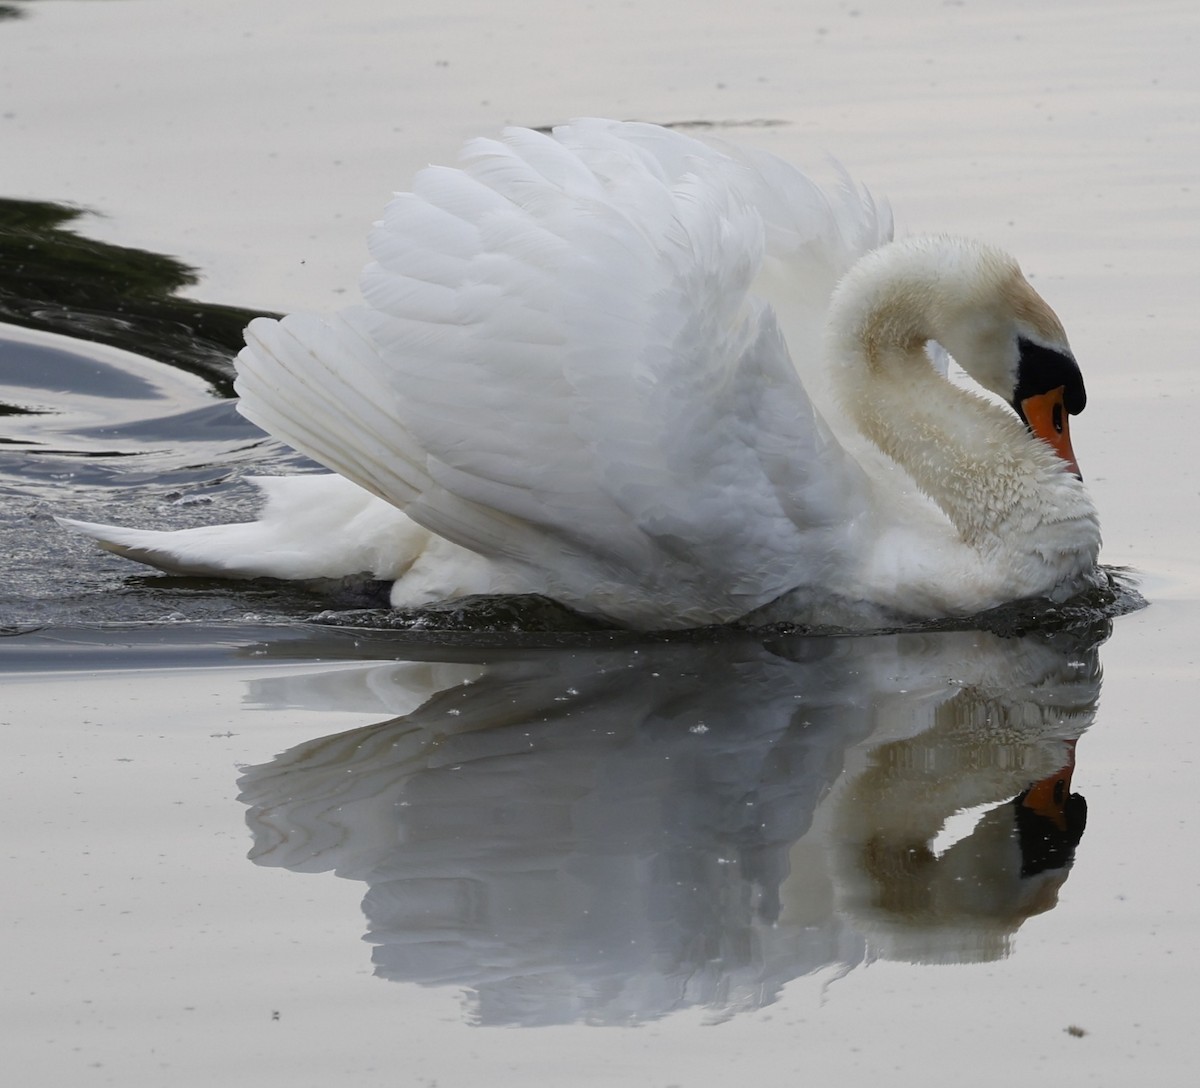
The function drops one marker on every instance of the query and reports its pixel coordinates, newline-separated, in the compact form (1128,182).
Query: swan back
(566,364)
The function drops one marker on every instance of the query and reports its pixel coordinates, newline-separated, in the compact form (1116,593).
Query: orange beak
(1049,796)
(1047,417)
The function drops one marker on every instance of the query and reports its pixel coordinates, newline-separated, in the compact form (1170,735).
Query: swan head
(973,299)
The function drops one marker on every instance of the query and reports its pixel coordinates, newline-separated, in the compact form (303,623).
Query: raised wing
(566,363)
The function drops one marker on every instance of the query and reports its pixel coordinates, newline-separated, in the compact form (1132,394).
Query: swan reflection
(609,835)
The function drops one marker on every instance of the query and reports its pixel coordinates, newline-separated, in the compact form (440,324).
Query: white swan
(589,365)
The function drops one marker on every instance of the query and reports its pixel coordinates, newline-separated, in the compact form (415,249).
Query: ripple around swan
(536,620)
(115,405)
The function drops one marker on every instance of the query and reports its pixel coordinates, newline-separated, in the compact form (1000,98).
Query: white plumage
(584,368)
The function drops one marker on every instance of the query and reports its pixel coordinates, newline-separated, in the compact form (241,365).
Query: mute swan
(588,365)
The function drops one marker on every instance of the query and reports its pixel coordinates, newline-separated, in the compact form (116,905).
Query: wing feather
(569,361)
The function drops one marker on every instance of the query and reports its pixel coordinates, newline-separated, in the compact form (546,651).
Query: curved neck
(972,457)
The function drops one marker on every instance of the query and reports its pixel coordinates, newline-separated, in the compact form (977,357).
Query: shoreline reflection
(607,836)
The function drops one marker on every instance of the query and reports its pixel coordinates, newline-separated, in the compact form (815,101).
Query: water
(247,813)
(694,827)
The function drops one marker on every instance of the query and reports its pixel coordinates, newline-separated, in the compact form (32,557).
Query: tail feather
(317,526)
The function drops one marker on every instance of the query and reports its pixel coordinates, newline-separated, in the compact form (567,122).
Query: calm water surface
(247,848)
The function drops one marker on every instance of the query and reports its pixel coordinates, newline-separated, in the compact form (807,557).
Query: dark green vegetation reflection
(55,280)
(104,438)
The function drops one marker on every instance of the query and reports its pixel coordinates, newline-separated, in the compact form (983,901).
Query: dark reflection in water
(611,835)
(94,432)
(113,406)
(55,280)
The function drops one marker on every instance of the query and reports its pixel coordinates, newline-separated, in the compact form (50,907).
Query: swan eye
(1040,369)
(1057,418)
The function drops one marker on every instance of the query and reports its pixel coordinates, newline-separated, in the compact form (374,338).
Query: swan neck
(970,456)
(889,306)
